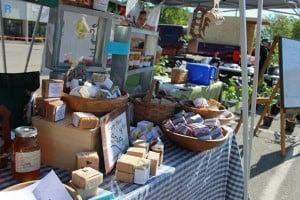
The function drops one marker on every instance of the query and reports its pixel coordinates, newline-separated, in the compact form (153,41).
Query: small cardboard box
(41,104)
(125,177)
(85,120)
(87,178)
(87,159)
(138,152)
(141,144)
(154,161)
(55,111)
(61,141)
(85,193)
(127,163)
(52,88)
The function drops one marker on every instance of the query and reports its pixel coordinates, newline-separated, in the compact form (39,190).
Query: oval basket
(192,143)
(204,112)
(227,119)
(72,192)
(94,105)
(155,113)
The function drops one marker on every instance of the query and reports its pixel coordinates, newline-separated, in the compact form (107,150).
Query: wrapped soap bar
(135,133)
(138,152)
(41,104)
(87,178)
(103,195)
(150,136)
(212,122)
(87,159)
(74,83)
(159,148)
(200,102)
(145,125)
(141,144)
(141,176)
(85,193)
(91,88)
(55,111)
(85,120)
(99,77)
(195,119)
(107,84)
(189,114)
(127,163)
(115,91)
(216,133)
(52,88)
(103,93)
(183,129)
(180,114)
(124,177)
(154,161)
(180,120)
(169,125)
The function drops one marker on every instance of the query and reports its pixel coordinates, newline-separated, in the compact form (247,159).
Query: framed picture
(115,136)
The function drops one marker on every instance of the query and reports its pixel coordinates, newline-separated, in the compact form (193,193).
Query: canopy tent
(250,4)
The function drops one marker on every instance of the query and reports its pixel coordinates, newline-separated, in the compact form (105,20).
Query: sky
(253,13)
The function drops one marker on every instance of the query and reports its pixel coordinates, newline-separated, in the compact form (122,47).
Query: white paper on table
(51,188)
(22,194)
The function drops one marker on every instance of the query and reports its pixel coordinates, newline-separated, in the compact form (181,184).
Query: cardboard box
(85,120)
(159,148)
(87,159)
(41,104)
(154,161)
(127,163)
(61,141)
(85,193)
(55,111)
(141,144)
(138,152)
(52,88)
(125,177)
(87,178)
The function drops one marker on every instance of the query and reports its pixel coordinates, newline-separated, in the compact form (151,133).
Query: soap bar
(87,178)
(41,104)
(87,159)
(55,111)
(85,193)
(145,125)
(123,176)
(85,120)
(141,144)
(99,77)
(127,163)
(138,152)
(159,148)
(141,176)
(104,195)
(52,88)
(154,161)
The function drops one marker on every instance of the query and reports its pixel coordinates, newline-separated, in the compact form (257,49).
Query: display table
(189,90)
(214,174)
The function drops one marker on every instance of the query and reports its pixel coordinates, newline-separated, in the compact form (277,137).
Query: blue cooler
(201,74)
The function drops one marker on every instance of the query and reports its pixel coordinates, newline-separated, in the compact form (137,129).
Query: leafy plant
(174,15)
(159,69)
(264,90)
(185,39)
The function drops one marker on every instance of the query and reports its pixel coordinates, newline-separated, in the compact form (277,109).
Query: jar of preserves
(26,154)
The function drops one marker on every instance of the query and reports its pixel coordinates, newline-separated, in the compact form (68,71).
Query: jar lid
(26,131)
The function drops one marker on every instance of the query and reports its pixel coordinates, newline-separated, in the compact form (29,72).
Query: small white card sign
(115,132)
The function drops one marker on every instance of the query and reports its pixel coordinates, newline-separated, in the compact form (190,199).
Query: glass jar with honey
(26,154)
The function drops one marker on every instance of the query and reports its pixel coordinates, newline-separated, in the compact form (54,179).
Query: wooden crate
(61,141)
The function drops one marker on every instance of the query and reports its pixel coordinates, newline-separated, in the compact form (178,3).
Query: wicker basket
(204,112)
(179,76)
(71,191)
(227,119)
(145,110)
(192,143)
(94,105)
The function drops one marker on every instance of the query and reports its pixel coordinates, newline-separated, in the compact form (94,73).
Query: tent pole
(33,37)
(243,42)
(2,39)
(255,78)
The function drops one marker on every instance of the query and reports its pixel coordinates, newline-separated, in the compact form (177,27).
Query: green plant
(185,39)
(264,90)
(159,69)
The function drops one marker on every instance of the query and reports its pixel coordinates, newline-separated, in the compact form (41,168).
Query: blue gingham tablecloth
(185,175)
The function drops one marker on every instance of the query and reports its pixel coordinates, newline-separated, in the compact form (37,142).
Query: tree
(296,29)
(174,15)
(281,25)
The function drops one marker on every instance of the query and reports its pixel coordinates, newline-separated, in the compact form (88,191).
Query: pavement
(273,177)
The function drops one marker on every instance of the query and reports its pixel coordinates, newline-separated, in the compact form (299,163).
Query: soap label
(60,112)
(28,161)
(76,119)
(55,90)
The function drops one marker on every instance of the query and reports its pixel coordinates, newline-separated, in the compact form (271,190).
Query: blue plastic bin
(201,74)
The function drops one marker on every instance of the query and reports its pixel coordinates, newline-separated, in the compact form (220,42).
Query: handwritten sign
(115,140)
(290,72)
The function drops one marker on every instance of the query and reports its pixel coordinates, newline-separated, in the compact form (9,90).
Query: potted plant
(275,107)
(267,122)
(264,92)
(230,96)
(290,123)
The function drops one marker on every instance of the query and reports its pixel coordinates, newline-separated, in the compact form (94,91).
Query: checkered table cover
(209,175)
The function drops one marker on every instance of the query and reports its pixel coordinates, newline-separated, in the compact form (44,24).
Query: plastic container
(201,74)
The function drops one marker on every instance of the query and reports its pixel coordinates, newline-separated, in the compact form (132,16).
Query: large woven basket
(94,105)
(179,76)
(192,143)
(71,191)
(145,110)
(206,113)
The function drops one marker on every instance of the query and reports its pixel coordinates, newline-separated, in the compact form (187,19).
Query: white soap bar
(107,84)
(141,176)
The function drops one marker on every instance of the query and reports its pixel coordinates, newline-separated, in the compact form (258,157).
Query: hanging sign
(50,3)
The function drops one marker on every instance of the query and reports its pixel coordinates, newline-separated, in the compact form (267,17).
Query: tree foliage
(296,29)
(174,15)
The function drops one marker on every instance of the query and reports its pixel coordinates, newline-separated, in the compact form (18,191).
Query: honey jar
(26,154)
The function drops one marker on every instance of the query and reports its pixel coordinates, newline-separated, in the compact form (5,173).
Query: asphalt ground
(273,177)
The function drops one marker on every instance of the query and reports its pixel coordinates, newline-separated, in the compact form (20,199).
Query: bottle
(26,154)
